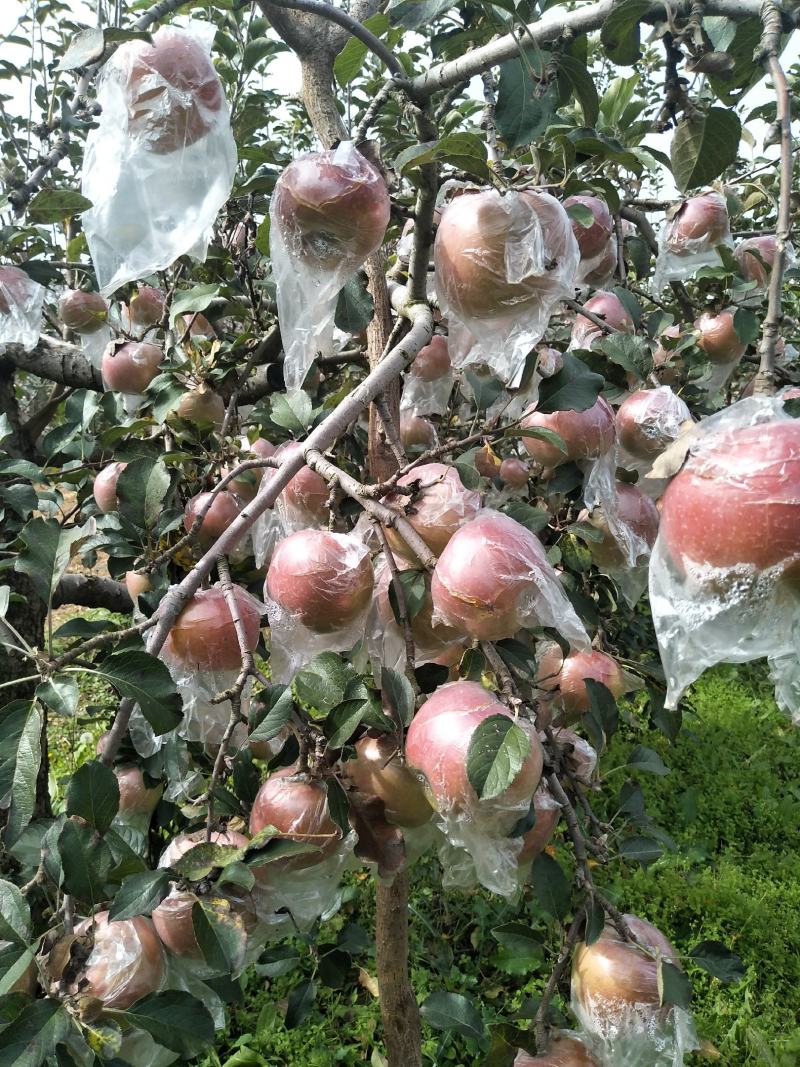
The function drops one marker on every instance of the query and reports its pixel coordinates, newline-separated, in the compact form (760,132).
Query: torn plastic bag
(21,301)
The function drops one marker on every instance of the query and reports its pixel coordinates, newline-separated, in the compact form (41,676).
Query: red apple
(416,432)
(565,678)
(702,219)
(135,796)
(172,92)
(194,324)
(548,813)
(377,770)
(323,579)
(432,361)
(131,367)
(332,208)
(247,484)
(737,500)
(636,511)
(604,269)
(146,307)
(202,407)
(203,636)
(749,255)
(591,239)
(649,420)
(306,496)
(105,487)
(610,309)
(224,509)
(85,312)
(136,584)
(125,964)
(297,806)
(515,473)
(437,745)
(441,506)
(564,1051)
(586,434)
(174,923)
(718,337)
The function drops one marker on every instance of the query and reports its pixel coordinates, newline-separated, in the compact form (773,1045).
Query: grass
(732,804)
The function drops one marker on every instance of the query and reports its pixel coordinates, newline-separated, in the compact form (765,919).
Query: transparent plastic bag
(329,211)
(561,681)
(95,343)
(318,593)
(441,505)
(493,578)
(503,263)
(21,302)
(723,575)
(599,270)
(648,421)
(304,501)
(567,1049)
(689,239)
(161,161)
(126,963)
(428,383)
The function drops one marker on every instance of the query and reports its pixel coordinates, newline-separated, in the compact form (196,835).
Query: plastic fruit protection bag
(329,212)
(635,1035)
(597,271)
(688,242)
(503,263)
(160,163)
(21,300)
(648,421)
(723,575)
(429,380)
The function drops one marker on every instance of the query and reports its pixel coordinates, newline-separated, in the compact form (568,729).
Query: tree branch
(89,591)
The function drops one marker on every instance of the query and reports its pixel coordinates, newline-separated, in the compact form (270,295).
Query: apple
(416,432)
(323,579)
(700,219)
(224,509)
(649,420)
(183,843)
(437,745)
(636,511)
(610,309)
(246,485)
(564,678)
(332,209)
(297,806)
(549,362)
(82,311)
(307,494)
(202,407)
(515,473)
(194,325)
(136,584)
(146,307)
(433,361)
(591,239)
(203,636)
(173,95)
(174,923)
(736,501)
(482,233)
(487,462)
(135,796)
(378,770)
(125,964)
(548,814)
(436,511)
(131,367)
(564,1051)
(15,288)
(105,487)
(612,977)
(586,434)
(604,269)
(718,338)
(747,255)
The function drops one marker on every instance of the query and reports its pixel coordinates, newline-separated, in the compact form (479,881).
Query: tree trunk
(399,1008)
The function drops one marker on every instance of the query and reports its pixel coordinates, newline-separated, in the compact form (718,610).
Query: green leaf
(205,857)
(343,721)
(354,306)
(738,41)
(595,923)
(25,757)
(351,58)
(60,693)
(704,146)
(674,986)
(642,850)
(645,759)
(139,894)
(55,205)
(746,325)
(535,519)
(628,351)
(454,1013)
(415,13)
(574,388)
(581,214)
(85,47)
(550,885)
(136,674)
(220,937)
(278,701)
(176,1020)
(485,390)
(32,1037)
(719,961)
(46,555)
(300,1002)
(415,592)
(497,751)
(521,950)
(323,682)
(93,794)
(524,110)
(292,411)
(399,695)
(141,489)
(14,909)
(620,33)
(617,97)
(195,299)
(541,433)
(86,862)
(604,708)
(464,151)
(583,86)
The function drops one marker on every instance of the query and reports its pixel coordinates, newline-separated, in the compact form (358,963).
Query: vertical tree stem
(399,1009)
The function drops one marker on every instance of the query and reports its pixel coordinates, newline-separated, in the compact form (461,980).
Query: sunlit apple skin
(567,677)
(82,311)
(202,407)
(610,309)
(515,473)
(483,574)
(323,579)
(437,744)
(647,421)
(613,975)
(172,116)
(18,285)
(146,307)
(416,432)
(204,636)
(105,487)
(298,809)
(135,797)
(737,500)
(586,434)
(307,493)
(718,338)
(331,212)
(563,1052)
(700,218)
(131,367)
(378,771)
(591,239)
(442,505)
(432,361)
(225,507)
(427,637)
(136,584)
(536,840)
(750,265)
(478,232)
(637,511)
(126,963)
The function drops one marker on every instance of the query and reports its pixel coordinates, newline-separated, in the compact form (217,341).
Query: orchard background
(366,516)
